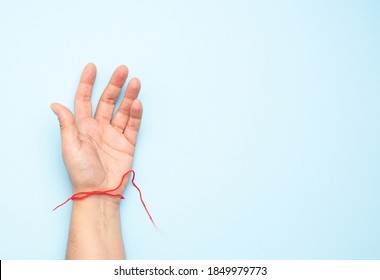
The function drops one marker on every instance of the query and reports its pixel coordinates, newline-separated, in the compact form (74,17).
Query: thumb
(66,120)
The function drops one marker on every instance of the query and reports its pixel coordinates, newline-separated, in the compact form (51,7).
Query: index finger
(83,108)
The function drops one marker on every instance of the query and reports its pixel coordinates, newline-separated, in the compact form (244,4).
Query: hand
(98,150)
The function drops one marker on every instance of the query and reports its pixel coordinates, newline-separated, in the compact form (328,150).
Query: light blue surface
(261,128)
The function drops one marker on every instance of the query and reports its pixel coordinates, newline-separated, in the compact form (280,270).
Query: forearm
(95,229)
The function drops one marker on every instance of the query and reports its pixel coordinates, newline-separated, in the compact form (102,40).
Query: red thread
(82,195)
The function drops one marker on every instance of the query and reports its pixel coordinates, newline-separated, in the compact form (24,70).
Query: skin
(97,150)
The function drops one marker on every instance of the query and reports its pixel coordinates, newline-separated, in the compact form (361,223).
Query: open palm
(98,150)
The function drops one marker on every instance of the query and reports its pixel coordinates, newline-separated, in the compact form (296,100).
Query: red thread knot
(82,195)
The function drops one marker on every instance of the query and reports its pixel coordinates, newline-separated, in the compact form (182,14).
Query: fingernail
(54,109)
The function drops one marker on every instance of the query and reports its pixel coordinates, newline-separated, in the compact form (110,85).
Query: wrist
(95,230)
(98,203)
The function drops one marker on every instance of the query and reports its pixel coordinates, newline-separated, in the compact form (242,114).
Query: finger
(83,108)
(132,130)
(69,132)
(121,117)
(110,95)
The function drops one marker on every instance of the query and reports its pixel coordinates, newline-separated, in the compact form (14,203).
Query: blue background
(260,137)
